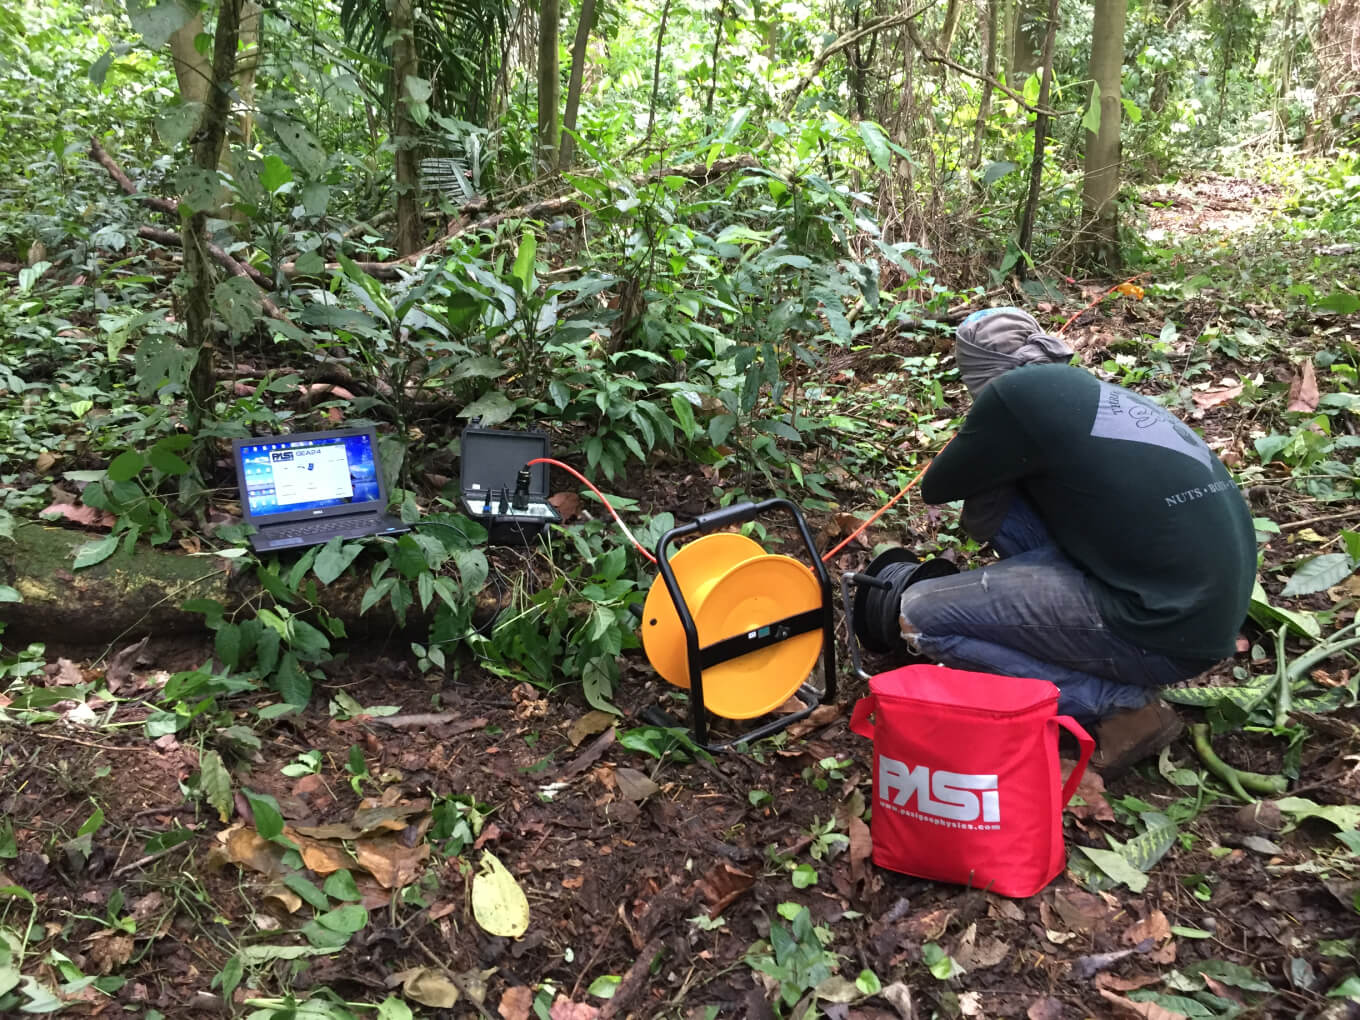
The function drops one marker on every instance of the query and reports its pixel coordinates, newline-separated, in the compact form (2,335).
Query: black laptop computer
(308,488)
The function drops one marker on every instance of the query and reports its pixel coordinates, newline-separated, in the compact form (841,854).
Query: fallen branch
(633,984)
(171,238)
(100,156)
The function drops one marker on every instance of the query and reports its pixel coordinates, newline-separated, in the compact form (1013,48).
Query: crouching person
(1127,552)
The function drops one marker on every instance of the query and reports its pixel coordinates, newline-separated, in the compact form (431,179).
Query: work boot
(1126,738)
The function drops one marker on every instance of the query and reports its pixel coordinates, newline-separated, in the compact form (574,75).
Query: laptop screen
(309,474)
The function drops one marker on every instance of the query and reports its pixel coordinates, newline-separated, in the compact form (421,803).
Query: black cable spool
(877,610)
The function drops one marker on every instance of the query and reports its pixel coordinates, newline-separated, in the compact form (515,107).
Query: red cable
(879,513)
(608,505)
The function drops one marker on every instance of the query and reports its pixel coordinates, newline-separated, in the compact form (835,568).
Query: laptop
(307,488)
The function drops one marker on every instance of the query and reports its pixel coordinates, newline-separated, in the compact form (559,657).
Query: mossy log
(133,594)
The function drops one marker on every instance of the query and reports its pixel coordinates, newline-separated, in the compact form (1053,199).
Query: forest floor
(660,880)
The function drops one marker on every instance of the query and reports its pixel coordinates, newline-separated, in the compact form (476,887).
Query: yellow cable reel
(731,587)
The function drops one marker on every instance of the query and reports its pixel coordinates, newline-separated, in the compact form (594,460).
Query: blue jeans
(1034,615)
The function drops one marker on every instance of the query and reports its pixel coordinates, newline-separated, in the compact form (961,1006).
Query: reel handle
(869,579)
(737,513)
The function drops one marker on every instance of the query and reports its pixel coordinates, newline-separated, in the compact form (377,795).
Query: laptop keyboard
(310,528)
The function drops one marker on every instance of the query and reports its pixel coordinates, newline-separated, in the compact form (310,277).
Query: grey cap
(996,340)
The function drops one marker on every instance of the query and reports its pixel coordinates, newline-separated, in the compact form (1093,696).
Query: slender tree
(1100,233)
(405,130)
(989,16)
(579,48)
(198,265)
(549,80)
(1036,166)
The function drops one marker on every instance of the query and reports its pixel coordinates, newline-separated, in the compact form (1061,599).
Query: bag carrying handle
(1087,745)
(860,722)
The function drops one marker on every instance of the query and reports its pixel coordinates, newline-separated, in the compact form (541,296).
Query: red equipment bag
(966,777)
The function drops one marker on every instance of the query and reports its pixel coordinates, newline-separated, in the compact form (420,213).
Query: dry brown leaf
(323,858)
(1222,990)
(1303,391)
(1128,984)
(110,951)
(516,1003)
(1080,910)
(247,847)
(427,986)
(1205,399)
(1147,1010)
(490,834)
(565,1009)
(574,883)
(861,847)
(45,462)
(85,516)
(928,925)
(1047,1008)
(337,830)
(388,817)
(1000,909)
(722,885)
(392,864)
(568,504)
(1156,928)
(588,725)
(973,953)
(634,785)
(1091,793)
(288,901)
(820,716)
(68,674)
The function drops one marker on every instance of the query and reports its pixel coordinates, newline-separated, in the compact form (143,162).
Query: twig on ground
(142,862)
(1306,522)
(454,978)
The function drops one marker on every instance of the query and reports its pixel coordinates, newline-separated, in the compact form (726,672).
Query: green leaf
(95,552)
(484,366)
(1341,302)
(418,89)
(346,919)
(1091,120)
(597,683)
(239,303)
(275,173)
(341,886)
(1117,867)
(1260,610)
(292,682)
(1230,974)
(877,144)
(316,197)
(307,890)
(684,414)
(1348,989)
(393,1008)
(493,408)
(998,169)
(157,24)
(604,986)
(215,782)
(126,466)
(334,559)
(167,462)
(8,594)
(1319,574)
(1343,816)
(523,270)
(941,964)
(306,150)
(268,818)
(1132,111)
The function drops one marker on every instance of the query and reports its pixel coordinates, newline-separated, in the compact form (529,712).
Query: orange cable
(608,505)
(1098,300)
(881,510)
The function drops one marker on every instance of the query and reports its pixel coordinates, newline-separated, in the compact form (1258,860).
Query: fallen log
(133,594)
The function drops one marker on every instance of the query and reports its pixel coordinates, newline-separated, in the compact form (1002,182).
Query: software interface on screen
(282,477)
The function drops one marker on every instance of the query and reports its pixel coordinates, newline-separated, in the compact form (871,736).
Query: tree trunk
(717,45)
(1030,30)
(247,63)
(656,71)
(1338,57)
(1036,166)
(990,15)
(1100,235)
(133,594)
(192,69)
(549,83)
(405,130)
(198,266)
(952,12)
(578,67)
